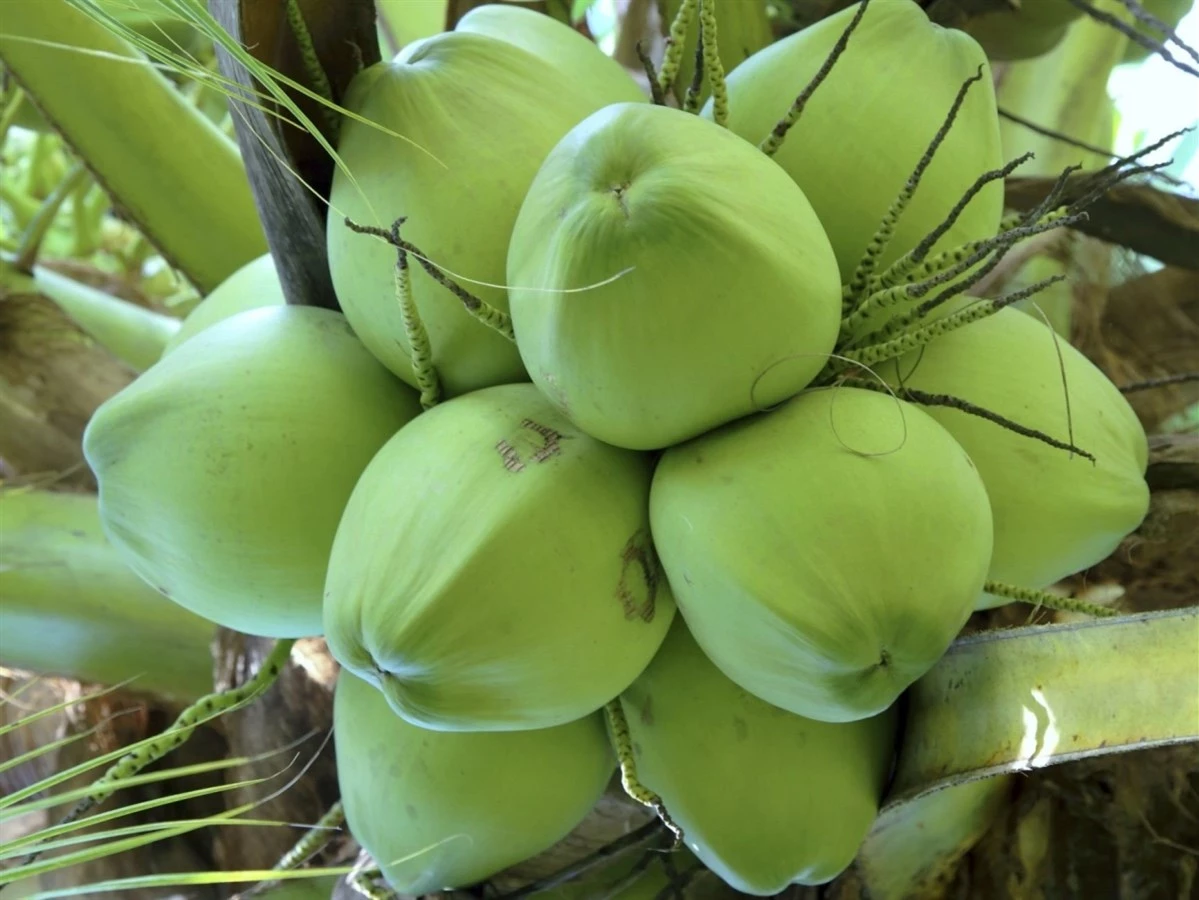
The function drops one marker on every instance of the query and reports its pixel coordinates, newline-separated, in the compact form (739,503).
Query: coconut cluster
(639,440)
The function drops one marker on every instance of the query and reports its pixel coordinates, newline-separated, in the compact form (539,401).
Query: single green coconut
(579,62)
(667,278)
(440,810)
(223,469)
(866,127)
(1055,512)
(493,569)
(824,554)
(254,285)
(462,151)
(764,797)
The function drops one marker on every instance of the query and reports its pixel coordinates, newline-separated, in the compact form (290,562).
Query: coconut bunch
(644,438)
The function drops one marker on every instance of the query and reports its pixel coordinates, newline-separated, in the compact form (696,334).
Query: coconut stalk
(287,166)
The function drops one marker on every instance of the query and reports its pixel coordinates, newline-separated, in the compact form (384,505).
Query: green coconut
(576,58)
(462,152)
(764,797)
(493,569)
(866,127)
(1055,513)
(721,294)
(223,469)
(441,810)
(824,554)
(254,285)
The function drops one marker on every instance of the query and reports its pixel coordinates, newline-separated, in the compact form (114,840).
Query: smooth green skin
(1055,514)
(487,598)
(825,554)
(439,810)
(69,606)
(223,469)
(764,797)
(869,123)
(733,301)
(577,60)
(254,285)
(464,98)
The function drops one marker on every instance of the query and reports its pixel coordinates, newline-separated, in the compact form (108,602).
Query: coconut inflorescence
(714,454)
